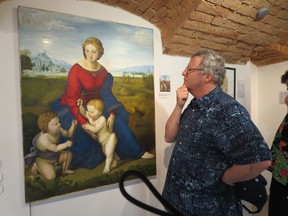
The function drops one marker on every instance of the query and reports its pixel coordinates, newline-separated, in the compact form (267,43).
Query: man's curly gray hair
(213,63)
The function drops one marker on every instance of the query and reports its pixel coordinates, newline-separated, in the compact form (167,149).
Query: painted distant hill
(62,64)
(134,70)
(44,65)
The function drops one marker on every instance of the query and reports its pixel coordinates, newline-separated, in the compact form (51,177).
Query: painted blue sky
(61,36)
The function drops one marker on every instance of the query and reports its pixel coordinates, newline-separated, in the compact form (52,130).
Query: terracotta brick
(160,15)
(171,3)
(202,17)
(225,25)
(148,14)
(145,5)
(158,4)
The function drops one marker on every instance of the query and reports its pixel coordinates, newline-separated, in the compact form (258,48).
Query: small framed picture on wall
(229,84)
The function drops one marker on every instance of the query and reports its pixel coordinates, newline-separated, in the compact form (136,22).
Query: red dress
(86,85)
(82,84)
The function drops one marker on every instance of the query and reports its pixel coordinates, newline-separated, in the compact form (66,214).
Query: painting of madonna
(128,108)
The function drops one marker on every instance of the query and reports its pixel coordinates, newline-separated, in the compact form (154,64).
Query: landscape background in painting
(50,43)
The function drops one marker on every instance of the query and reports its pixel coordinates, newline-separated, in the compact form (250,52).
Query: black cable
(170,208)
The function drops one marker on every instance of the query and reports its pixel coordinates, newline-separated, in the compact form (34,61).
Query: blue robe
(87,152)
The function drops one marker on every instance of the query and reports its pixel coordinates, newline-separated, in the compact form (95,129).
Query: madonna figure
(88,80)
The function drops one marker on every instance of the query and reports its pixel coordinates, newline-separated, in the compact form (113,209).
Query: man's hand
(182,95)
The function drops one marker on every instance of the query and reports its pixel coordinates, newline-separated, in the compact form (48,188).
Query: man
(216,143)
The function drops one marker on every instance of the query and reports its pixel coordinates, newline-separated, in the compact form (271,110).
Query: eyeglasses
(189,70)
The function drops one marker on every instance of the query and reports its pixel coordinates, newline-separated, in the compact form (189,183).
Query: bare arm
(70,132)
(238,173)
(60,147)
(81,108)
(82,111)
(97,125)
(45,143)
(172,124)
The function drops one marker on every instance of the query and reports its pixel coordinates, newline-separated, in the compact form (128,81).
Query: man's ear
(208,77)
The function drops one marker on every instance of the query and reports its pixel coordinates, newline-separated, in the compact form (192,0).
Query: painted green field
(137,96)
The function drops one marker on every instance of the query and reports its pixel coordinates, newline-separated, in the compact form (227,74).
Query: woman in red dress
(87,80)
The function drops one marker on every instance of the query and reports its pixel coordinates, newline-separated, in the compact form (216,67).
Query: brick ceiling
(227,26)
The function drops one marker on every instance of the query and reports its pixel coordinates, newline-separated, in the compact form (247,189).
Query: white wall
(270,111)
(100,201)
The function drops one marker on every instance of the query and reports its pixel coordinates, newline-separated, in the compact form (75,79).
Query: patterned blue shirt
(215,132)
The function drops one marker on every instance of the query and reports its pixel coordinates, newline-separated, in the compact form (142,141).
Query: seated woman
(88,80)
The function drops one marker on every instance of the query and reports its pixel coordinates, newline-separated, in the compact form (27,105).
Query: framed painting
(230,82)
(83,83)
(164,83)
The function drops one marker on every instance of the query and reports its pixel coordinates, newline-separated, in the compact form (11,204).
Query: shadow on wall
(167,155)
(162,116)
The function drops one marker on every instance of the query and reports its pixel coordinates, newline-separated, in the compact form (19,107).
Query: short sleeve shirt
(279,150)
(215,132)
